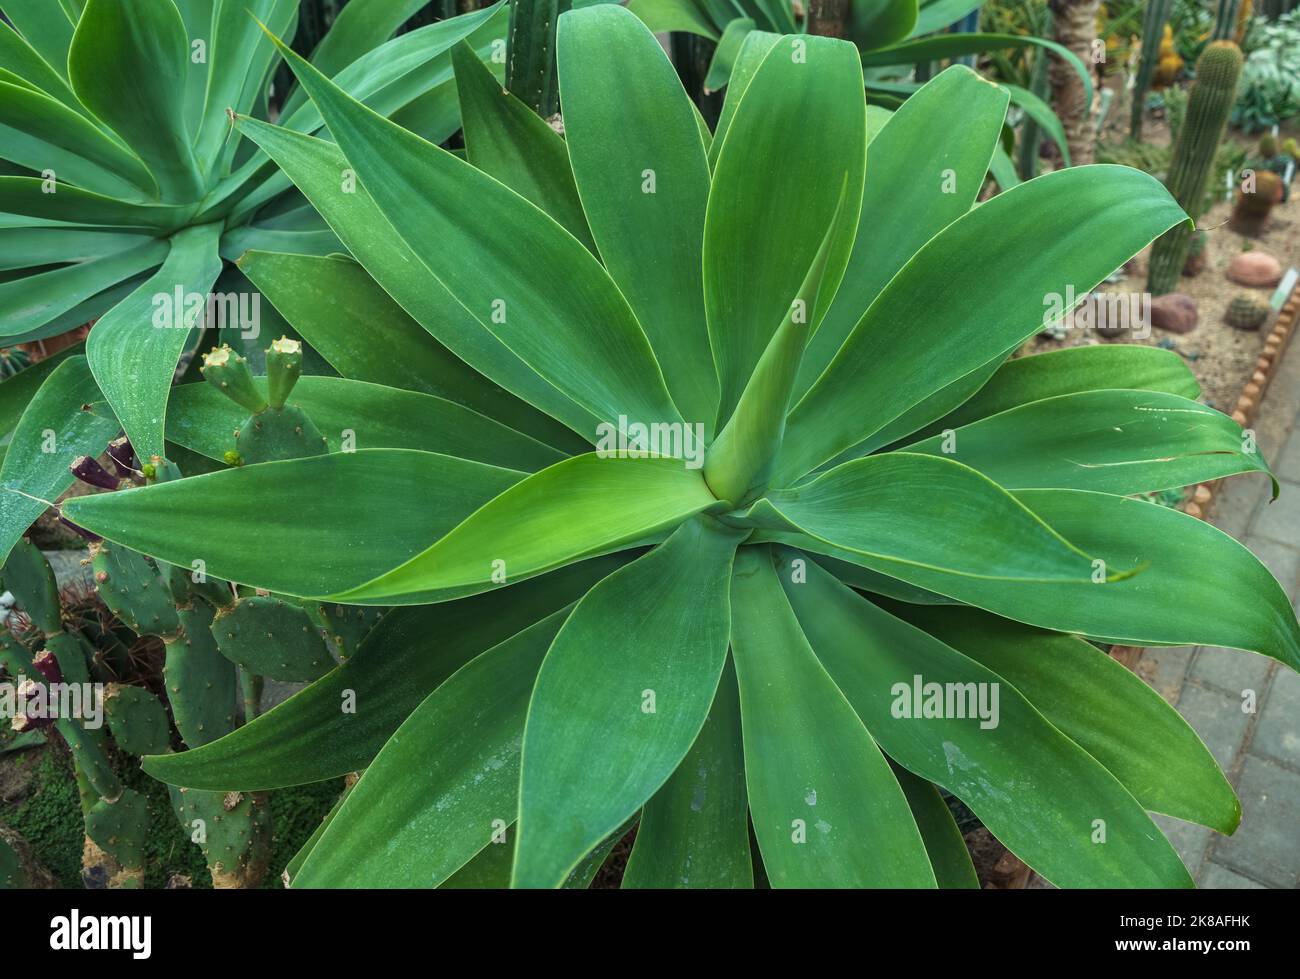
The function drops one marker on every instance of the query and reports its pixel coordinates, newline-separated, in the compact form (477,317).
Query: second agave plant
(595,626)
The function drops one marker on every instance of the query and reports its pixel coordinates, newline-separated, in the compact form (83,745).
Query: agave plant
(123,186)
(819,551)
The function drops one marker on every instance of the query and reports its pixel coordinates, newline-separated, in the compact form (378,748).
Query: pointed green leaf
(324,299)
(621,696)
(509,141)
(949,857)
(370,509)
(128,63)
(1065,230)
(1121,442)
(578,508)
(643,175)
(1105,708)
(46,27)
(753,50)
(134,348)
(1039,793)
(30,302)
(826,808)
(694,831)
(724,55)
(766,223)
(320,171)
(446,782)
(54,429)
(902,208)
(522,276)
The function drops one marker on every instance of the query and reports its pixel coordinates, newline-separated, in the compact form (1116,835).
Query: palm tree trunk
(1076,28)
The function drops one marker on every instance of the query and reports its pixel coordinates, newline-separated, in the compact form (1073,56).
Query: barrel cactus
(1246,312)
(697,493)
(1252,210)
(1208,108)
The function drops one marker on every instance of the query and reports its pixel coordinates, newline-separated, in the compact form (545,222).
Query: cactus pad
(270,637)
(137,720)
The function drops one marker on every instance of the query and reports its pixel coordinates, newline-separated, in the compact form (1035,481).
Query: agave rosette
(585,638)
(123,186)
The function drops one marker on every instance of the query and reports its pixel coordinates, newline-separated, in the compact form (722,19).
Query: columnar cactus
(1208,108)
(1153,28)
(530,54)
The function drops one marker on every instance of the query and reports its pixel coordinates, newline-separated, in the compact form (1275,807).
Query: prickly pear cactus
(1246,312)
(233,829)
(271,637)
(274,429)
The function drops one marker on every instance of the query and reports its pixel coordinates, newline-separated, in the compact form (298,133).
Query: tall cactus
(1153,29)
(530,53)
(1225,19)
(1208,107)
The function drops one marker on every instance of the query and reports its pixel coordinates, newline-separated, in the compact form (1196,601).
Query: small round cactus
(1245,312)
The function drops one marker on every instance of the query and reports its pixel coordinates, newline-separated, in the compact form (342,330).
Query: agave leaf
(1071,371)
(404,658)
(724,56)
(662,16)
(235,46)
(878,23)
(324,299)
(32,476)
(509,141)
(641,169)
(30,197)
(1099,704)
(949,858)
(358,28)
(348,540)
(28,303)
(621,696)
(42,133)
(755,48)
(134,356)
(1222,596)
(1120,442)
(694,832)
(20,59)
(16,392)
(319,170)
(417,817)
(578,508)
(313,243)
(935,15)
(1064,230)
(884,510)
(128,64)
(46,27)
(522,276)
(766,221)
(1020,775)
(23,248)
(363,415)
(903,209)
(818,785)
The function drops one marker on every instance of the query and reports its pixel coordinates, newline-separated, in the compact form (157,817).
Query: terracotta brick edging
(1252,393)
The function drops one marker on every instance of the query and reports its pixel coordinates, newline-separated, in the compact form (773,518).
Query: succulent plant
(124,187)
(1154,21)
(1252,210)
(1208,108)
(1246,312)
(772,482)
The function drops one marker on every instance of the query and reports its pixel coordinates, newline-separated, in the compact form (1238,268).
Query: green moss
(50,819)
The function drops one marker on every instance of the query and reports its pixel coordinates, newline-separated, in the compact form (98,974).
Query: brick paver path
(1260,751)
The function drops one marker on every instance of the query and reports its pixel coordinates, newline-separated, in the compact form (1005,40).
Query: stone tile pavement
(1211,687)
